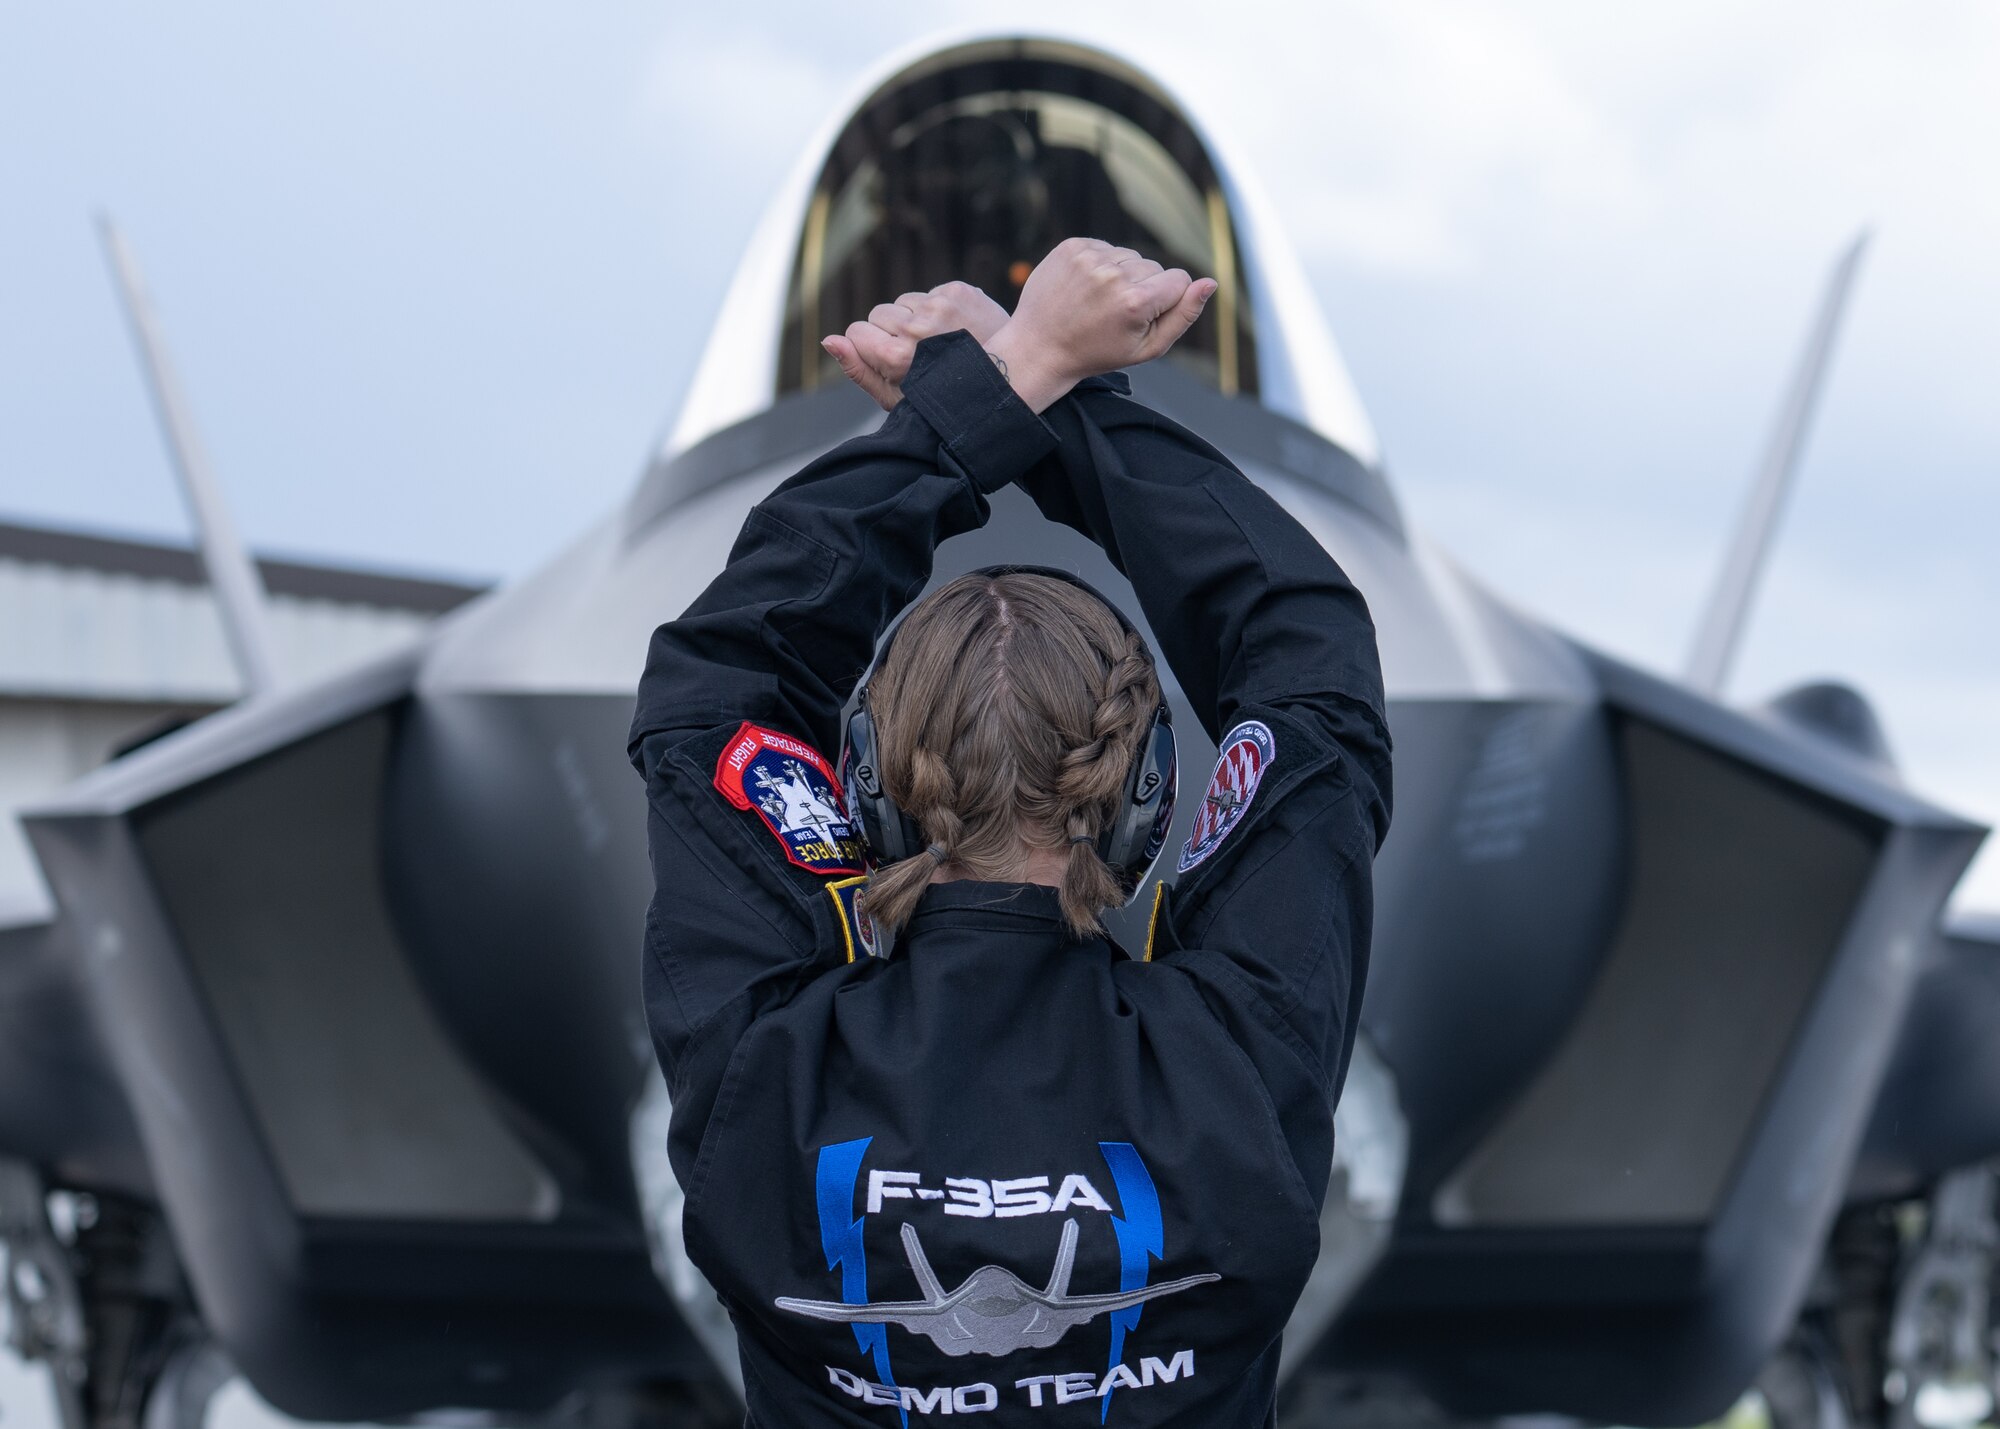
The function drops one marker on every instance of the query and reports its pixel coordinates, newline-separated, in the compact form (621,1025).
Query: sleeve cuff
(953,385)
(1106,382)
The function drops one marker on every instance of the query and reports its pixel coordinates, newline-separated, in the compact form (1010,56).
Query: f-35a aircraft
(994,1312)
(329,1067)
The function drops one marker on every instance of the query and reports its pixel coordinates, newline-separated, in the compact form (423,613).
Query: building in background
(105,643)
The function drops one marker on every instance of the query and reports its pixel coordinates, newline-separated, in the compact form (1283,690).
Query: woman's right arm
(1271,642)
(1247,606)
(1275,649)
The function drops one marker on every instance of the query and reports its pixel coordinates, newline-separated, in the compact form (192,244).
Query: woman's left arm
(827,560)
(738,709)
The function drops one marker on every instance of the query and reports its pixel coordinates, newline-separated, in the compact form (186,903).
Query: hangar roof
(92,616)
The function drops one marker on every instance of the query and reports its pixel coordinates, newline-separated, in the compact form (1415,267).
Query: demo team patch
(1247,751)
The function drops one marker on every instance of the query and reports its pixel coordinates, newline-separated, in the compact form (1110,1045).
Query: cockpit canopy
(971,160)
(976,165)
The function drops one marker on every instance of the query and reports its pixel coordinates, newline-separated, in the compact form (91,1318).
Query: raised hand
(876,354)
(1089,308)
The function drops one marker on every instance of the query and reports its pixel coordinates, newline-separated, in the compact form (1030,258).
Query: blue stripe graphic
(840,1237)
(1140,1234)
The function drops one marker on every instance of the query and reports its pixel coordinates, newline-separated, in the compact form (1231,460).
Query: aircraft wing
(880,1312)
(1125,1299)
(1778,896)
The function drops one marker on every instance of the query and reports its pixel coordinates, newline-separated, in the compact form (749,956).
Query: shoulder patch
(857,929)
(788,785)
(1247,752)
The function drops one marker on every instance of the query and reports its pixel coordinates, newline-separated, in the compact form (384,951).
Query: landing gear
(95,1292)
(1801,1387)
(1901,1334)
(1940,1353)
(181,1395)
(44,1305)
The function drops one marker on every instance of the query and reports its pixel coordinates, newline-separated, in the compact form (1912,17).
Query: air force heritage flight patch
(1247,751)
(793,790)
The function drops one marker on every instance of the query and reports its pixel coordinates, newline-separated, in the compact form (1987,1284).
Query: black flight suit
(1077,1187)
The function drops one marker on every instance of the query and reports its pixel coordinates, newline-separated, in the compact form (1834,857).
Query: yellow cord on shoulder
(1153,923)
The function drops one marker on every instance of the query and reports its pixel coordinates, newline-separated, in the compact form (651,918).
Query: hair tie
(936,851)
(1083,838)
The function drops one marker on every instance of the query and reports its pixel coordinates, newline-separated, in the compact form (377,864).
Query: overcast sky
(435,276)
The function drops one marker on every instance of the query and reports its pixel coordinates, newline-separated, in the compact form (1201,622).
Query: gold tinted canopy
(975,163)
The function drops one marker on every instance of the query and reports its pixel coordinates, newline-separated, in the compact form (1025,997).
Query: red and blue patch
(793,790)
(1247,752)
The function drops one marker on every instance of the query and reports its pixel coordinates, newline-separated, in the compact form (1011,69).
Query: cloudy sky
(435,276)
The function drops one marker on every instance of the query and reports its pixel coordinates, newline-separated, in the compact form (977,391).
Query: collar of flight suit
(983,946)
(1024,915)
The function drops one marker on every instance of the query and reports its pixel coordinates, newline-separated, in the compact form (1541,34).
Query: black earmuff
(1131,841)
(892,834)
(1131,844)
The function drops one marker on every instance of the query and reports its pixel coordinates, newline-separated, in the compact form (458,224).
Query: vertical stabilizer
(238,589)
(1721,629)
(920,1265)
(1065,1263)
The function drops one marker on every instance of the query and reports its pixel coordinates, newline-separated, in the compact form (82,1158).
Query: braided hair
(1009,710)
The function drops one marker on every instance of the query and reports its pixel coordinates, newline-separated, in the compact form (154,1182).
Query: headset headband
(1004,569)
(1132,839)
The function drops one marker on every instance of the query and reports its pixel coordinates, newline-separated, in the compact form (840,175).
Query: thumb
(1193,301)
(843,351)
(1172,324)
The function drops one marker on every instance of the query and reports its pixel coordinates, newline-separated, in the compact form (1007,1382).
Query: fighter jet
(334,1032)
(994,1311)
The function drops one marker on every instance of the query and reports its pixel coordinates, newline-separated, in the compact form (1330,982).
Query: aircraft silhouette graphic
(994,1312)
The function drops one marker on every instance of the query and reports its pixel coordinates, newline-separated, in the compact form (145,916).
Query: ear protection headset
(1131,840)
